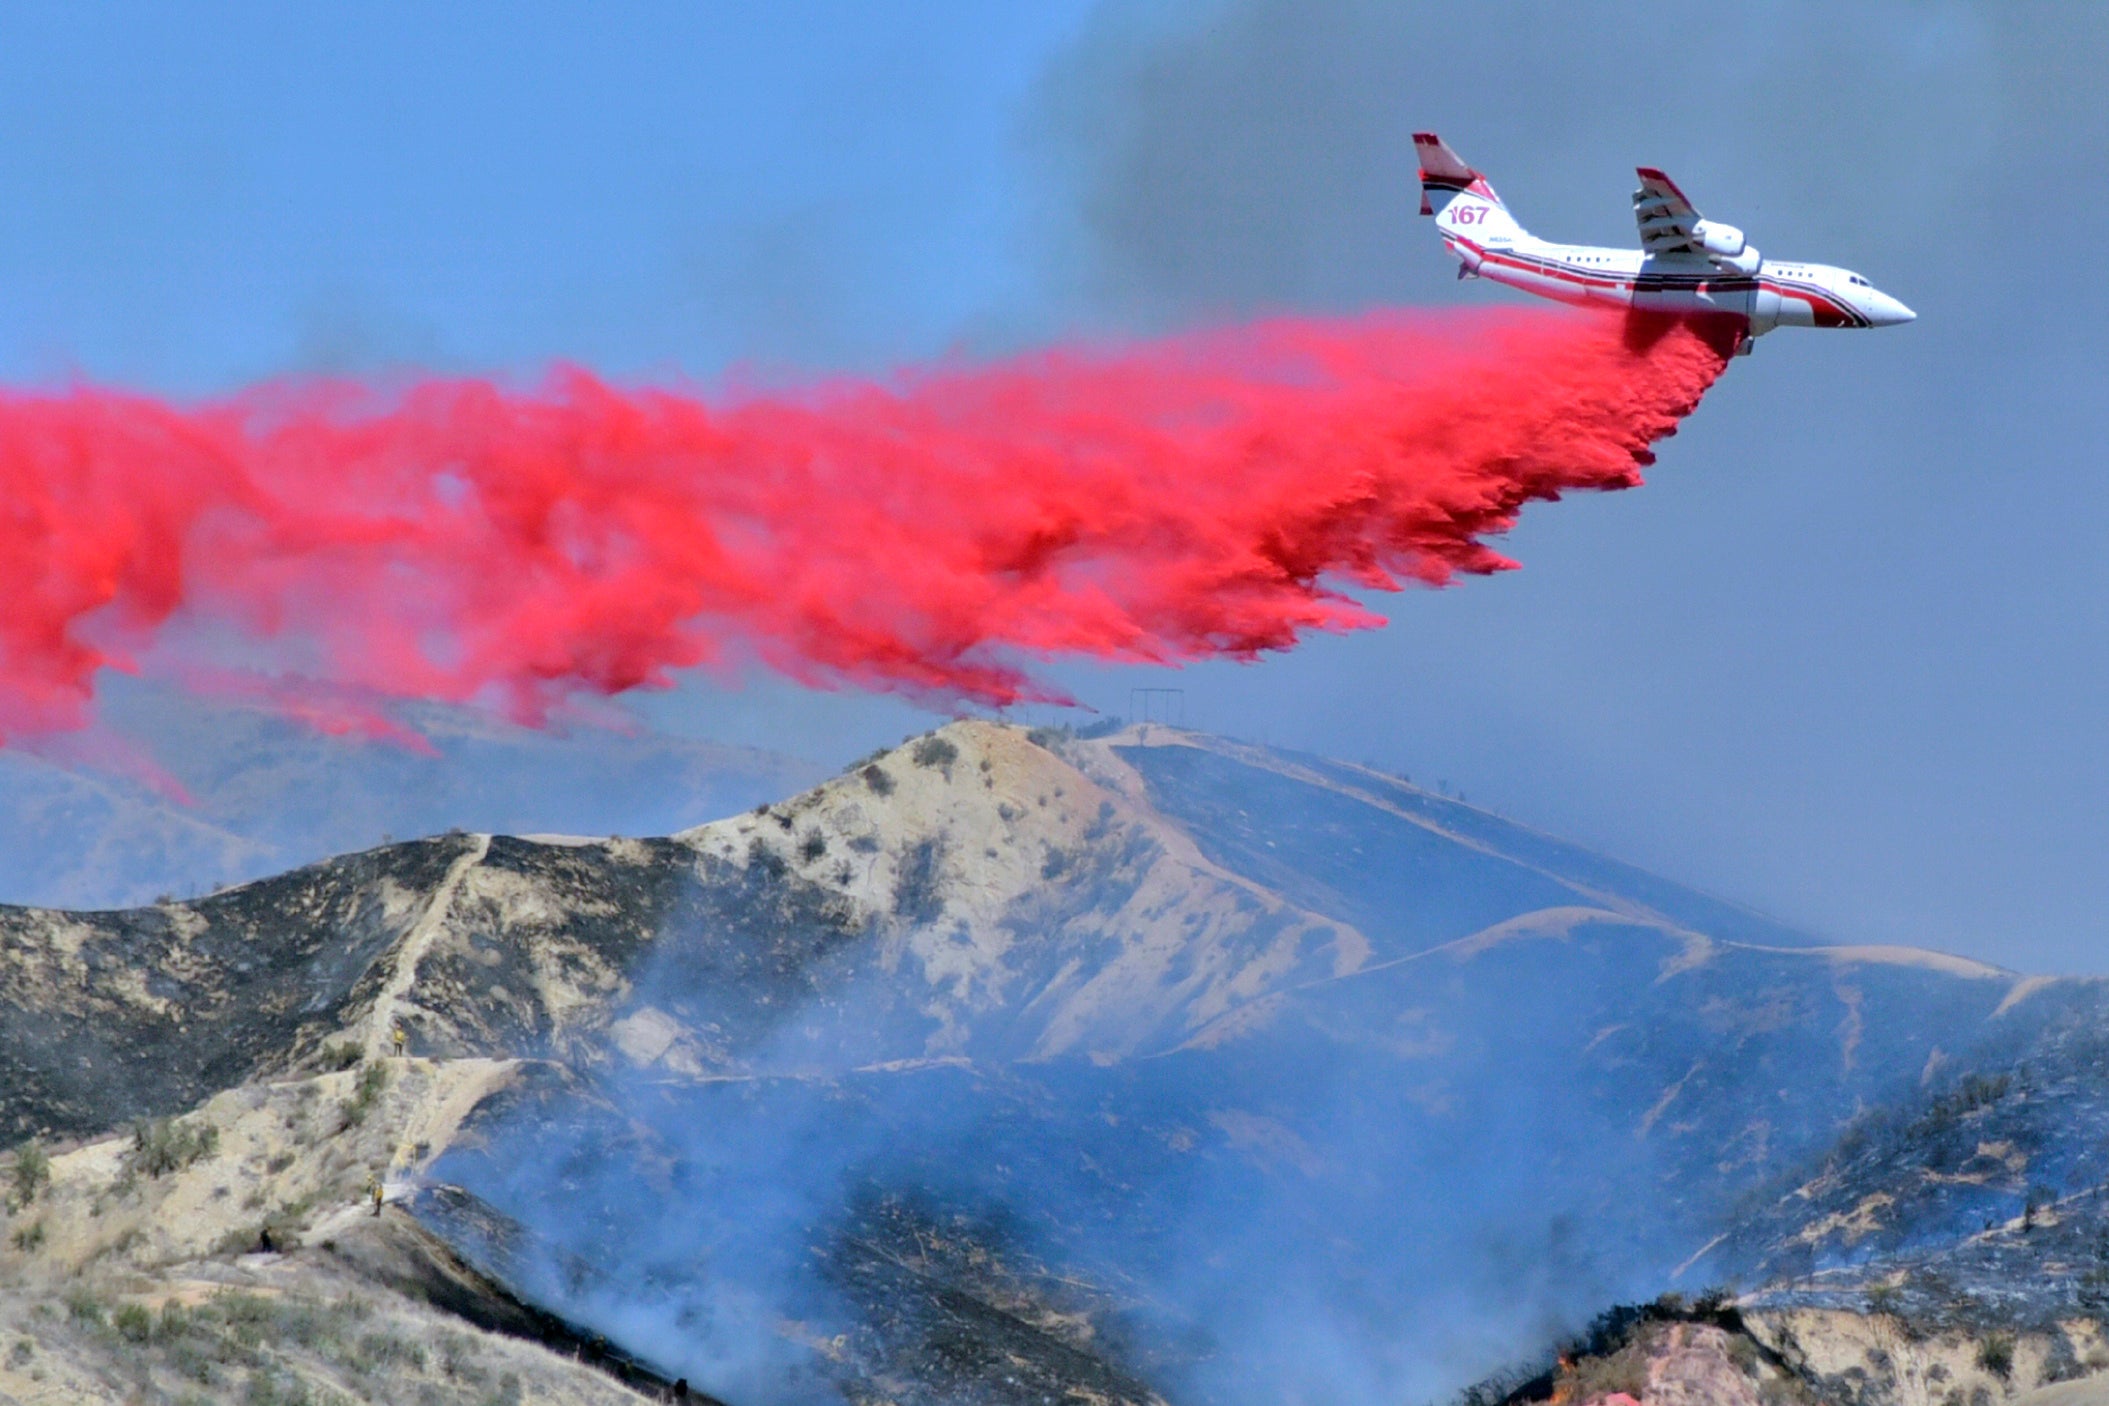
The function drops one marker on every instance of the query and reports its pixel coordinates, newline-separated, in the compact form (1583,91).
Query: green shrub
(812,846)
(30,1174)
(192,1362)
(175,1325)
(239,1241)
(365,1094)
(376,1353)
(457,1358)
(271,1388)
(342,1055)
(29,1238)
(282,1226)
(372,1080)
(134,1322)
(164,1145)
(1996,1354)
(934,751)
(234,1308)
(878,779)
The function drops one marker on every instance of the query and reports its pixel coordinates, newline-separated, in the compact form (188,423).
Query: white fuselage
(1777,294)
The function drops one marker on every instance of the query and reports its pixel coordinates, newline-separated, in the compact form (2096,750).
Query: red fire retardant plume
(935,533)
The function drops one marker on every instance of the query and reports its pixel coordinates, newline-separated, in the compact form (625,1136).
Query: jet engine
(1725,245)
(1721,241)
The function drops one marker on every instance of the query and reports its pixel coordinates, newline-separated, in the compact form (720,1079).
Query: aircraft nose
(1885,311)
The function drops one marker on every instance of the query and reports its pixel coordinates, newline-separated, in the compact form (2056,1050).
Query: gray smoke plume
(1274,1225)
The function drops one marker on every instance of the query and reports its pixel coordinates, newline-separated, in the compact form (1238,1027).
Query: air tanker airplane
(1685,265)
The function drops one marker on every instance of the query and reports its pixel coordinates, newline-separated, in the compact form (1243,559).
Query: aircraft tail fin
(1442,170)
(1459,197)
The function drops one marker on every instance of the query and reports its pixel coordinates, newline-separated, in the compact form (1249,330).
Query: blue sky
(1843,659)
(197,195)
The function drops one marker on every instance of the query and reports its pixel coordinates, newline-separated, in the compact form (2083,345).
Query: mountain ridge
(1030,996)
(181,799)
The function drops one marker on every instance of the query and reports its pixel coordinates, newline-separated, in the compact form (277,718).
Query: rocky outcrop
(1718,1353)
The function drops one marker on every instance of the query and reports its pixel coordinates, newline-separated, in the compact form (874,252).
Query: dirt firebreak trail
(937,532)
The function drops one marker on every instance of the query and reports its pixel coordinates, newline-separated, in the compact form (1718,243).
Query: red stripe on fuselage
(1825,307)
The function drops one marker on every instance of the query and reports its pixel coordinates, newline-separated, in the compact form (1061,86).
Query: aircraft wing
(1668,223)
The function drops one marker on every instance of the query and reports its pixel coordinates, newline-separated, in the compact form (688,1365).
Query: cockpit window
(1859,280)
